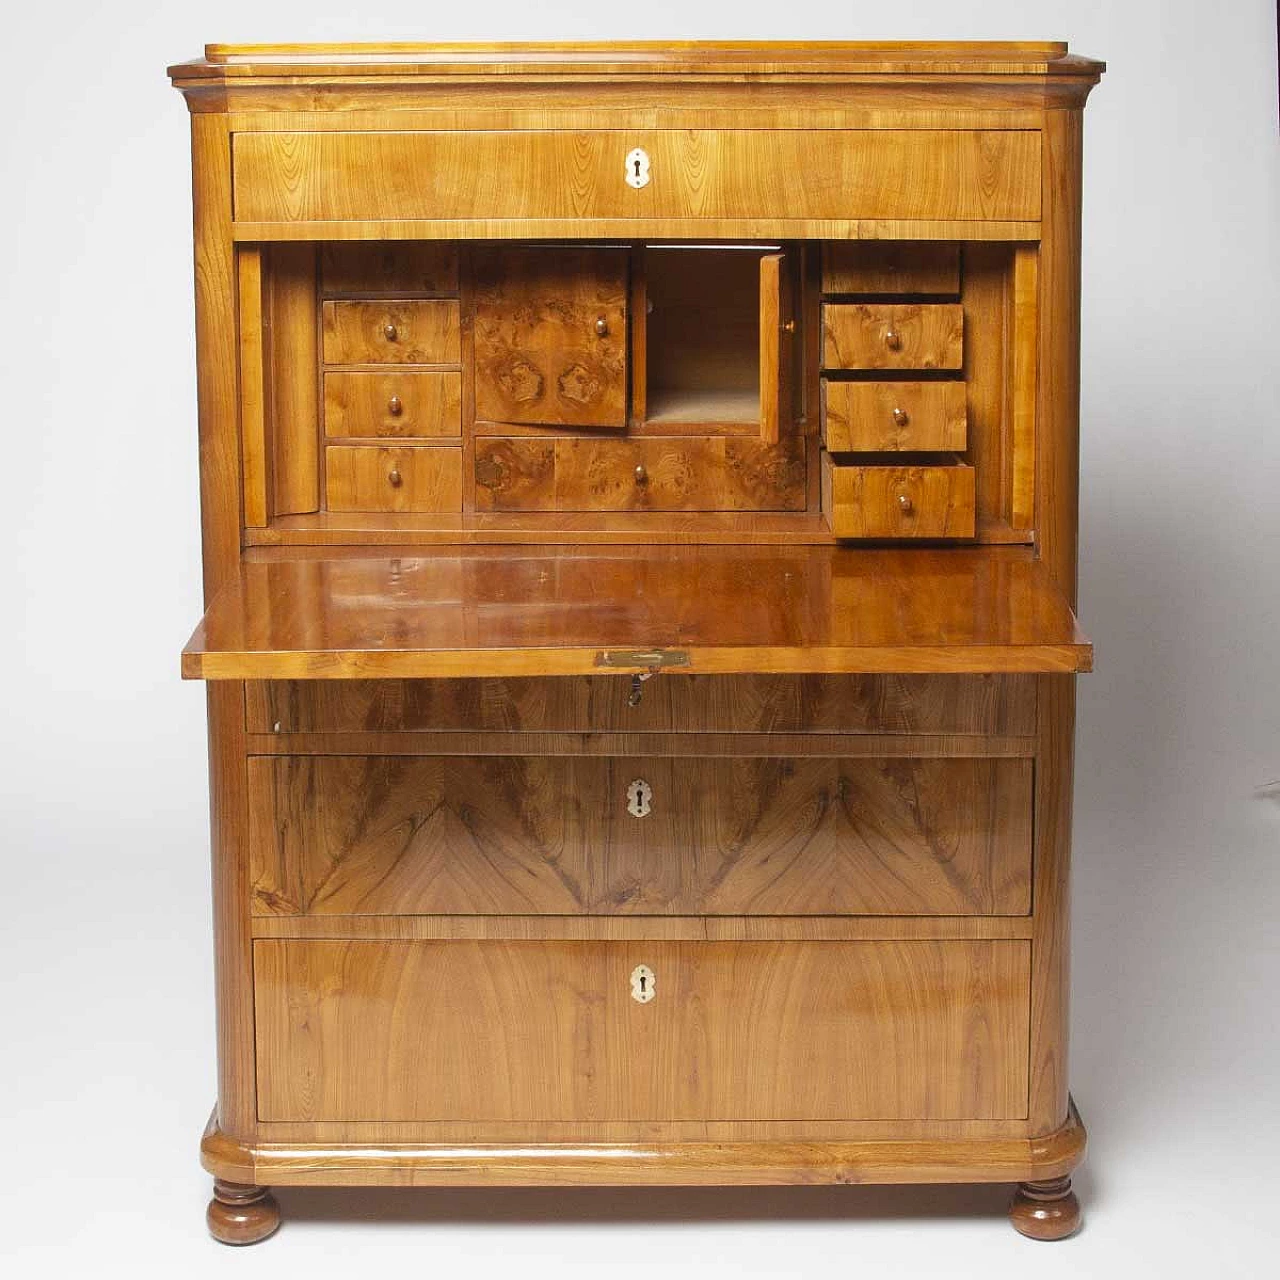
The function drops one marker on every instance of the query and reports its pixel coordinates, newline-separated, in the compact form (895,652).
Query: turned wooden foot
(240,1214)
(1045,1210)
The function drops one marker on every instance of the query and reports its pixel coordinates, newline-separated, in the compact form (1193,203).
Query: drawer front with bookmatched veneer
(649,835)
(725,473)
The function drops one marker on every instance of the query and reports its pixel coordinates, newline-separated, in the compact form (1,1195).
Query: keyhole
(636,162)
(643,986)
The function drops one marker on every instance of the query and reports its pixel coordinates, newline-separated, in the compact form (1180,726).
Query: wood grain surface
(697,173)
(889,416)
(846,704)
(554,611)
(497,1031)
(878,335)
(672,473)
(550,335)
(446,835)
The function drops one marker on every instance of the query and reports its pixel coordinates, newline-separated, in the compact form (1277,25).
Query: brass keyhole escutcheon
(642,984)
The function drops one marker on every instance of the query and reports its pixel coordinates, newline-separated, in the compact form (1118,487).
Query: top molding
(238,63)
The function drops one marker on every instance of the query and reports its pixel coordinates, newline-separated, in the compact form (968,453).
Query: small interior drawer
(676,473)
(899,497)
(890,267)
(877,335)
(391,331)
(385,478)
(382,266)
(396,404)
(499,1030)
(874,417)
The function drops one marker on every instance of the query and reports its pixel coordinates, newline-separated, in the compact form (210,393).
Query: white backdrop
(105,969)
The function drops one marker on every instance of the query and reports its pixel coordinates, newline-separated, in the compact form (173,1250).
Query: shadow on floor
(656,1205)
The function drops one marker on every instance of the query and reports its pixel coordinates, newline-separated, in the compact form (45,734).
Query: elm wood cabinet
(639,492)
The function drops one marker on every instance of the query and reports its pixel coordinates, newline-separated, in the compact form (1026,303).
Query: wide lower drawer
(668,474)
(899,498)
(852,704)
(769,175)
(656,835)
(550,1031)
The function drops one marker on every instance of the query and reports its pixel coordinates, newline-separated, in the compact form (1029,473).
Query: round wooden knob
(642,476)
(893,340)
(395,406)
(395,477)
(905,505)
(900,418)
(602,327)
(390,332)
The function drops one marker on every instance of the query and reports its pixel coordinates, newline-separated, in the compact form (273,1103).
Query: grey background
(107,1072)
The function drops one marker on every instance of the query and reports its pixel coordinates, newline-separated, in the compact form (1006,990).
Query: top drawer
(775,175)
(996,704)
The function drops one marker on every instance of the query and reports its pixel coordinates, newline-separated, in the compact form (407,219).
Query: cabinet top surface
(223,62)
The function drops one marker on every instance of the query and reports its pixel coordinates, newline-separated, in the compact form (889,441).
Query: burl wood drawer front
(874,417)
(873,335)
(890,267)
(382,266)
(550,1031)
(772,175)
(899,501)
(723,473)
(374,478)
(995,704)
(584,835)
(394,331)
(551,336)
(395,403)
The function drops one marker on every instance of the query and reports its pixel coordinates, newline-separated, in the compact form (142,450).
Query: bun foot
(1045,1210)
(240,1214)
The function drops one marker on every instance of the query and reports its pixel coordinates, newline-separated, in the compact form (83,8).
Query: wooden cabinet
(639,509)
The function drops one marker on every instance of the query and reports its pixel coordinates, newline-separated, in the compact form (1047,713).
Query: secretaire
(639,490)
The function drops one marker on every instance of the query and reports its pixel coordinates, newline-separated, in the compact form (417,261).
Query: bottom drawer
(898,496)
(554,1031)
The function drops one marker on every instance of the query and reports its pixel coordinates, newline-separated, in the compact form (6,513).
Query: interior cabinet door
(551,336)
(777,331)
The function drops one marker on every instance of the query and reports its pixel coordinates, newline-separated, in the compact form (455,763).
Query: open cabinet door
(777,332)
